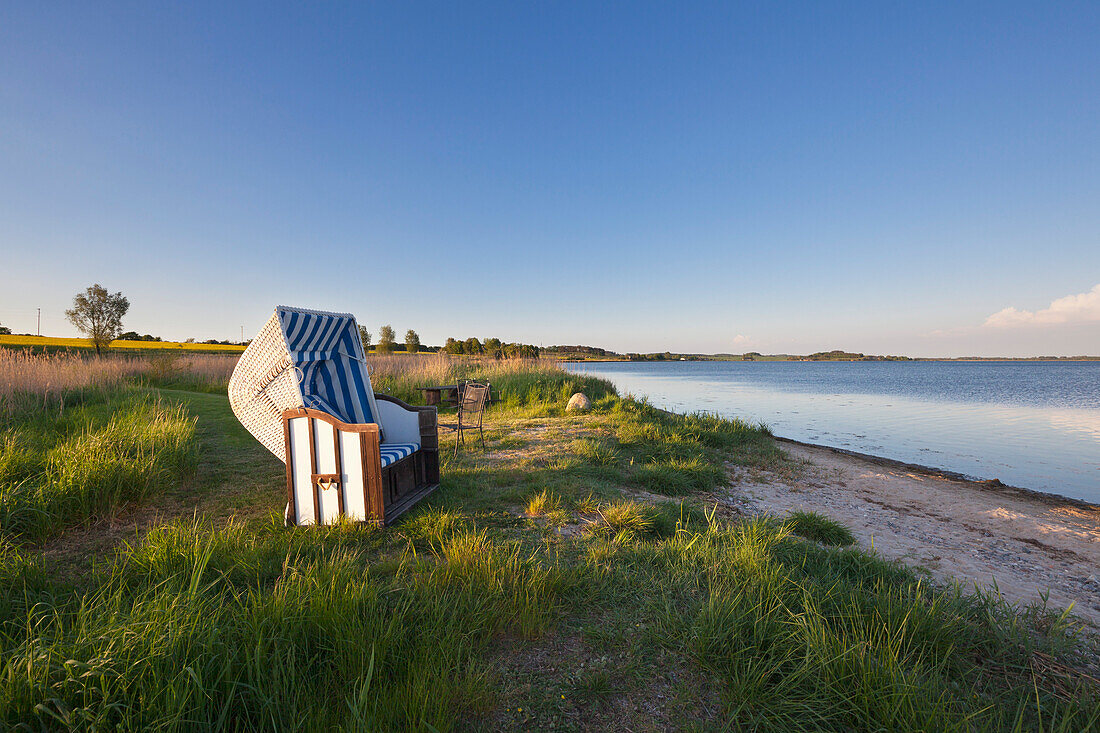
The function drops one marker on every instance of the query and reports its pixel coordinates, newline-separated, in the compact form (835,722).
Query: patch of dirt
(1028,544)
(543,687)
(540,436)
(74,550)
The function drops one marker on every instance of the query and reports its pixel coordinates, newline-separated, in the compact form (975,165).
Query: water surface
(1029,424)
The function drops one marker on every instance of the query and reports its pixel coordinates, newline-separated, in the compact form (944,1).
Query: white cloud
(740,340)
(1080,308)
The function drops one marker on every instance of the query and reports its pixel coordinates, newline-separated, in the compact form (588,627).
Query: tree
(494,348)
(4,331)
(364,336)
(98,314)
(412,342)
(452,346)
(135,336)
(385,339)
(472,346)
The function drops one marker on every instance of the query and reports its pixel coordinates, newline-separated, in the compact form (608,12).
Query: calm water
(1030,424)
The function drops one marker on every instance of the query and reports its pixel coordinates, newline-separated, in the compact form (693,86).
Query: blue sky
(696,177)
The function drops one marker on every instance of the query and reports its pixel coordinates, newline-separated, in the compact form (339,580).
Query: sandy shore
(974,532)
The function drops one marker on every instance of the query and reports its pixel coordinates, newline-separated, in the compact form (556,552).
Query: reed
(517,383)
(27,378)
(30,381)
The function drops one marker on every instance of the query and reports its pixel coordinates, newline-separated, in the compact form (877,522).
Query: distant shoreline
(697,358)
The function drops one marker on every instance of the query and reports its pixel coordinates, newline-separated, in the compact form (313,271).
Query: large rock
(578,402)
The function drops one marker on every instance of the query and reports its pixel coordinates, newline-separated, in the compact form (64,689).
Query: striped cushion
(394,452)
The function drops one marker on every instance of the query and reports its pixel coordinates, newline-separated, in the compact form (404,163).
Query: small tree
(386,339)
(364,336)
(494,348)
(472,346)
(452,346)
(4,331)
(412,342)
(98,314)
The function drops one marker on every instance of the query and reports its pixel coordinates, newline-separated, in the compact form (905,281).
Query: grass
(529,386)
(602,608)
(32,382)
(542,503)
(63,469)
(819,528)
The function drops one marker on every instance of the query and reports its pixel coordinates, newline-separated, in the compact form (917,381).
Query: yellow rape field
(6,340)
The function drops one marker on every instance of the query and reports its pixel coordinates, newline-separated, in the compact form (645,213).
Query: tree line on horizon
(473,346)
(492,347)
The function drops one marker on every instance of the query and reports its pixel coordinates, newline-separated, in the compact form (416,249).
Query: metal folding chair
(471,411)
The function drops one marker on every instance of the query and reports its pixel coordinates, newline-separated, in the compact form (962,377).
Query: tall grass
(285,630)
(30,382)
(517,383)
(248,628)
(194,372)
(61,470)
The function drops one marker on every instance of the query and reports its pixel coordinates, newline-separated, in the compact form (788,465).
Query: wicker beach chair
(302,388)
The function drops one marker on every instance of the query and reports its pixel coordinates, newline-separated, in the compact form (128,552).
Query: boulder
(578,402)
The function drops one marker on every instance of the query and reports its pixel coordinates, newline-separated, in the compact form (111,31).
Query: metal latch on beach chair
(326,480)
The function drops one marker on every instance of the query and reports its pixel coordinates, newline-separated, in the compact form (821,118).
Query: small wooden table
(437,395)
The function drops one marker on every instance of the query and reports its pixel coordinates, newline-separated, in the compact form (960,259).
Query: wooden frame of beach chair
(338,469)
(302,388)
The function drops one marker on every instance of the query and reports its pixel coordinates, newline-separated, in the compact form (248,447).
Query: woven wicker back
(264,383)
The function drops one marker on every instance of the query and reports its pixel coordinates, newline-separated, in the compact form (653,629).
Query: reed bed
(194,372)
(517,383)
(28,377)
(29,380)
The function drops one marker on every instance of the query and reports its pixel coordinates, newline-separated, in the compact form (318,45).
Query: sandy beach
(1028,544)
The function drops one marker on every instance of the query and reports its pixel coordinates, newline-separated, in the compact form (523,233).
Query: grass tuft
(819,528)
(542,503)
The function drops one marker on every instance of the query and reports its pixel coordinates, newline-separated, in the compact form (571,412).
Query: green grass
(258,626)
(81,464)
(819,528)
(469,615)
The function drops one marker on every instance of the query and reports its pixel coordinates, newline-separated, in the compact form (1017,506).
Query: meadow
(577,574)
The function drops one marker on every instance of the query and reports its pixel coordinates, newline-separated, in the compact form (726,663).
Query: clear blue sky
(694,177)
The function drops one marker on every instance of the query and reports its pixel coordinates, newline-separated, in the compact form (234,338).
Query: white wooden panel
(353,476)
(300,469)
(325,445)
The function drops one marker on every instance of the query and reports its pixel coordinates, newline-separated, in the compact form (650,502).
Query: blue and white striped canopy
(328,353)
